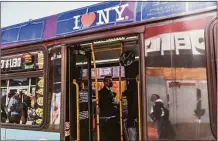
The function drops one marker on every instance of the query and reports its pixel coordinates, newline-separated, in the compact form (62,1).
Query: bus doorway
(78,116)
(102,96)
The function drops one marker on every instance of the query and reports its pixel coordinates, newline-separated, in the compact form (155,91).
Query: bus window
(24,103)
(22,95)
(55,86)
(177,81)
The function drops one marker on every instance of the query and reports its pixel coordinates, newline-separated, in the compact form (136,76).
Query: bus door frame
(72,81)
(104,34)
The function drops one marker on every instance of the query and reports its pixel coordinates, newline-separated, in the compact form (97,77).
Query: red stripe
(177,27)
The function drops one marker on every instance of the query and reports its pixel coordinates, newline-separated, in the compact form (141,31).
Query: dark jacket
(106,104)
(160,114)
(132,105)
(159,111)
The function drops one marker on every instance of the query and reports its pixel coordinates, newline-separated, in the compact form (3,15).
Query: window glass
(22,103)
(31,31)
(10,35)
(176,81)
(3,87)
(3,83)
(65,23)
(19,82)
(55,86)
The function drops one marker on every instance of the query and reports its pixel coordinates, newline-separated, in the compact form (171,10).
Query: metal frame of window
(29,74)
(50,91)
(211,59)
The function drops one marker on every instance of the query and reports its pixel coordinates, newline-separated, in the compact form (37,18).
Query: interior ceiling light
(103,61)
(110,40)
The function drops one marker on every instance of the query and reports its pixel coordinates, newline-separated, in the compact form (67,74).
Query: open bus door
(84,62)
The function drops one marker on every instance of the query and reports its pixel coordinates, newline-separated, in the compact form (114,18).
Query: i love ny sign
(92,17)
(103,16)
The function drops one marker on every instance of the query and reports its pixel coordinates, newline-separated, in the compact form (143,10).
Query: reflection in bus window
(19,82)
(28,61)
(177,74)
(3,87)
(55,86)
(22,104)
(22,97)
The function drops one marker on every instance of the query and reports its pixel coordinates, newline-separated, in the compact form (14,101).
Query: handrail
(120,97)
(96,91)
(77,110)
(139,112)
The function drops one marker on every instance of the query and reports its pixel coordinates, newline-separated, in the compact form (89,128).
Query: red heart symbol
(88,19)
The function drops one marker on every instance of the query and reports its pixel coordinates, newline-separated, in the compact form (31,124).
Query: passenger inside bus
(109,111)
(17,107)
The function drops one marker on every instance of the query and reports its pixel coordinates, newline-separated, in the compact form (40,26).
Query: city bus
(55,66)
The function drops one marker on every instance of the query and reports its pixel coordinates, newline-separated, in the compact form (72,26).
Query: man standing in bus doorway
(160,115)
(109,110)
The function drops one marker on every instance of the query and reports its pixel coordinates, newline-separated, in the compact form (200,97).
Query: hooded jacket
(158,111)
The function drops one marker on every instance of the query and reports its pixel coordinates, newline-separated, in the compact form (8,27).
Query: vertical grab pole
(77,111)
(89,60)
(96,91)
(120,98)
(139,111)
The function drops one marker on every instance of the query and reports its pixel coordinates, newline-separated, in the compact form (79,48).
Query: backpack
(18,107)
